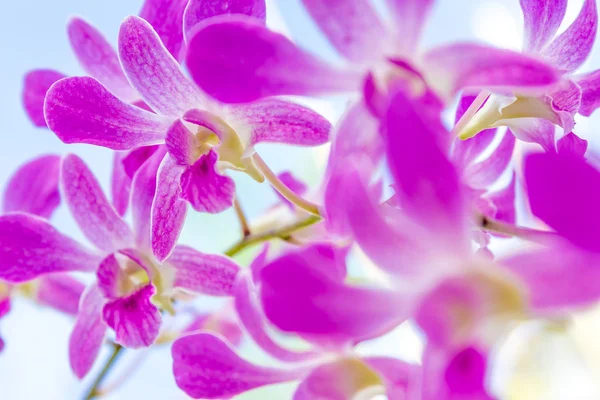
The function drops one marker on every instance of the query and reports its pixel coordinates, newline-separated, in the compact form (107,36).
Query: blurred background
(34,364)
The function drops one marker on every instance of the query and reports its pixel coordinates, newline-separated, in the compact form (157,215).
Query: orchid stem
(533,235)
(282,188)
(280,233)
(241,217)
(470,113)
(94,391)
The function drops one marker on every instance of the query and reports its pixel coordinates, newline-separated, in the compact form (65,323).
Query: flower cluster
(194,86)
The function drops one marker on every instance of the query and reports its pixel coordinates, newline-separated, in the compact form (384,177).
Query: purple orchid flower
(130,283)
(532,119)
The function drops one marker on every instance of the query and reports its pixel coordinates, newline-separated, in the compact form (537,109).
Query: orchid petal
(120,184)
(36,84)
(542,19)
(217,323)
(534,130)
(98,58)
(34,187)
(182,144)
(32,247)
(210,274)
(168,210)
(206,367)
(572,144)
(81,110)
(571,48)
(90,208)
(504,201)
(154,73)
(564,192)
(410,18)
(88,334)
(590,92)
(488,171)
(399,377)
(352,27)
(237,60)
(166,17)
(60,292)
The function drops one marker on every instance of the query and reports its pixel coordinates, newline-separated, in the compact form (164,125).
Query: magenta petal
(33,188)
(352,27)
(110,277)
(182,144)
(236,60)
(590,92)
(88,334)
(205,188)
(456,66)
(280,121)
(218,323)
(166,17)
(153,71)
(35,86)
(571,48)
(202,273)
(542,19)
(120,184)
(99,59)
(200,10)
(564,192)
(297,297)
(60,292)
(572,144)
(90,208)
(534,130)
(168,209)
(32,247)
(410,18)
(81,110)
(489,170)
(504,201)
(135,320)
(399,377)
(205,367)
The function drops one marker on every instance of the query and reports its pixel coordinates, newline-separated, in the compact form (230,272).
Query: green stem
(94,391)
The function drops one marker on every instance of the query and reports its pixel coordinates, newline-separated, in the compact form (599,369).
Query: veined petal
(33,188)
(166,17)
(410,19)
(533,130)
(154,73)
(563,192)
(202,273)
(90,208)
(280,121)
(205,188)
(135,320)
(111,278)
(590,92)
(572,144)
(236,60)
(32,247)
(168,209)
(35,86)
(81,110)
(182,144)
(565,101)
(98,58)
(88,334)
(198,11)
(60,292)
(205,367)
(352,27)
(488,171)
(571,48)
(542,19)
(453,67)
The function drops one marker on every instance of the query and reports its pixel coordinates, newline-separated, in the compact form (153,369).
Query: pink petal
(33,188)
(534,130)
(166,17)
(182,144)
(111,277)
(280,121)
(399,377)
(32,247)
(154,73)
(90,208)
(571,48)
(236,60)
(565,101)
(135,320)
(352,27)
(206,367)
(464,65)
(504,201)
(297,297)
(294,184)
(81,110)
(590,92)
(564,192)
(410,19)
(35,86)
(572,144)
(201,273)
(98,58)
(5,306)
(205,188)
(254,322)
(219,324)
(542,19)
(168,209)
(142,196)
(200,10)
(88,334)
(60,292)
(488,171)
